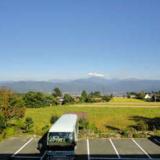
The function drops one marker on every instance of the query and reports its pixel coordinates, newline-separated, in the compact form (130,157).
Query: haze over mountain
(106,86)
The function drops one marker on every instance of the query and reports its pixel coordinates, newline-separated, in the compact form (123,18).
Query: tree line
(12,108)
(38,99)
(13,105)
(152,96)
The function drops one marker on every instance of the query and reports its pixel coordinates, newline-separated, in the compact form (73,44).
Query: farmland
(119,114)
(117,118)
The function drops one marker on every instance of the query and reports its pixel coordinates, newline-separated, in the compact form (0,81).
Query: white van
(62,137)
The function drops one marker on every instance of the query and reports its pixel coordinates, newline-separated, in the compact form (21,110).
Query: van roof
(65,123)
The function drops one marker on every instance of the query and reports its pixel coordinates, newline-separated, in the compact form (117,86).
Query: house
(132,96)
(60,100)
(147,96)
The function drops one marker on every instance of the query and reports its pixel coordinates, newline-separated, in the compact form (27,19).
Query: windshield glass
(60,137)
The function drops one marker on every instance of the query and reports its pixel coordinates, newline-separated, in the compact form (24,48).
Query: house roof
(147,96)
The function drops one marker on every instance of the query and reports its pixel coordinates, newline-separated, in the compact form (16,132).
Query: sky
(70,39)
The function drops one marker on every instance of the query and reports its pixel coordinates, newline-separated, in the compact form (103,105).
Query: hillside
(114,86)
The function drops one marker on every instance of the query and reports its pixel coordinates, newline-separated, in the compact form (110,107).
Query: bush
(83,97)
(53,119)
(68,99)
(9,132)
(83,124)
(19,124)
(39,99)
(45,129)
(128,133)
(140,135)
(57,92)
(28,124)
(107,98)
(95,94)
(110,134)
(50,101)
(34,99)
(93,128)
(142,126)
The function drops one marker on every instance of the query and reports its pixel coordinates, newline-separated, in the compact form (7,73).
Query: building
(147,96)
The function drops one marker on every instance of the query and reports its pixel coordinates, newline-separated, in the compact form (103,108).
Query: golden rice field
(116,114)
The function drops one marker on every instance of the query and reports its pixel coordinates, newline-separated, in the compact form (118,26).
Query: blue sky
(68,39)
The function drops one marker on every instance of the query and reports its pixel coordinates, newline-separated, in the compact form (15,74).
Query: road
(20,148)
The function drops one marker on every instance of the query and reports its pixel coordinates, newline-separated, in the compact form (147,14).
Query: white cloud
(94,74)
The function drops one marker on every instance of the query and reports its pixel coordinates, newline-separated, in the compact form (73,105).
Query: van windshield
(56,138)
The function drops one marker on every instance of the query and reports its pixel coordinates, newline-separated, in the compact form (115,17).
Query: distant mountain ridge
(106,86)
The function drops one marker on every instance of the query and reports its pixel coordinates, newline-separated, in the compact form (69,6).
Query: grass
(106,117)
(121,99)
(101,114)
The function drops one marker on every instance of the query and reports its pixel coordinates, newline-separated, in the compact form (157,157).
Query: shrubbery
(93,128)
(38,99)
(9,132)
(94,97)
(57,92)
(142,126)
(68,99)
(45,129)
(107,98)
(28,125)
(83,123)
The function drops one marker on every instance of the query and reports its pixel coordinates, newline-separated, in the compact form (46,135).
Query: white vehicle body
(62,136)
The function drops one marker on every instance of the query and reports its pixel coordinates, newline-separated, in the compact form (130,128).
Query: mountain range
(106,86)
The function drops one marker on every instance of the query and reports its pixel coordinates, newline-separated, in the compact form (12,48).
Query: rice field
(116,114)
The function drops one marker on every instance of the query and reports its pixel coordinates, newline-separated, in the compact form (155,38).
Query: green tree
(95,94)
(57,92)
(90,99)
(84,96)
(50,100)
(68,99)
(83,123)
(34,99)
(140,95)
(11,105)
(19,106)
(107,98)
(38,99)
